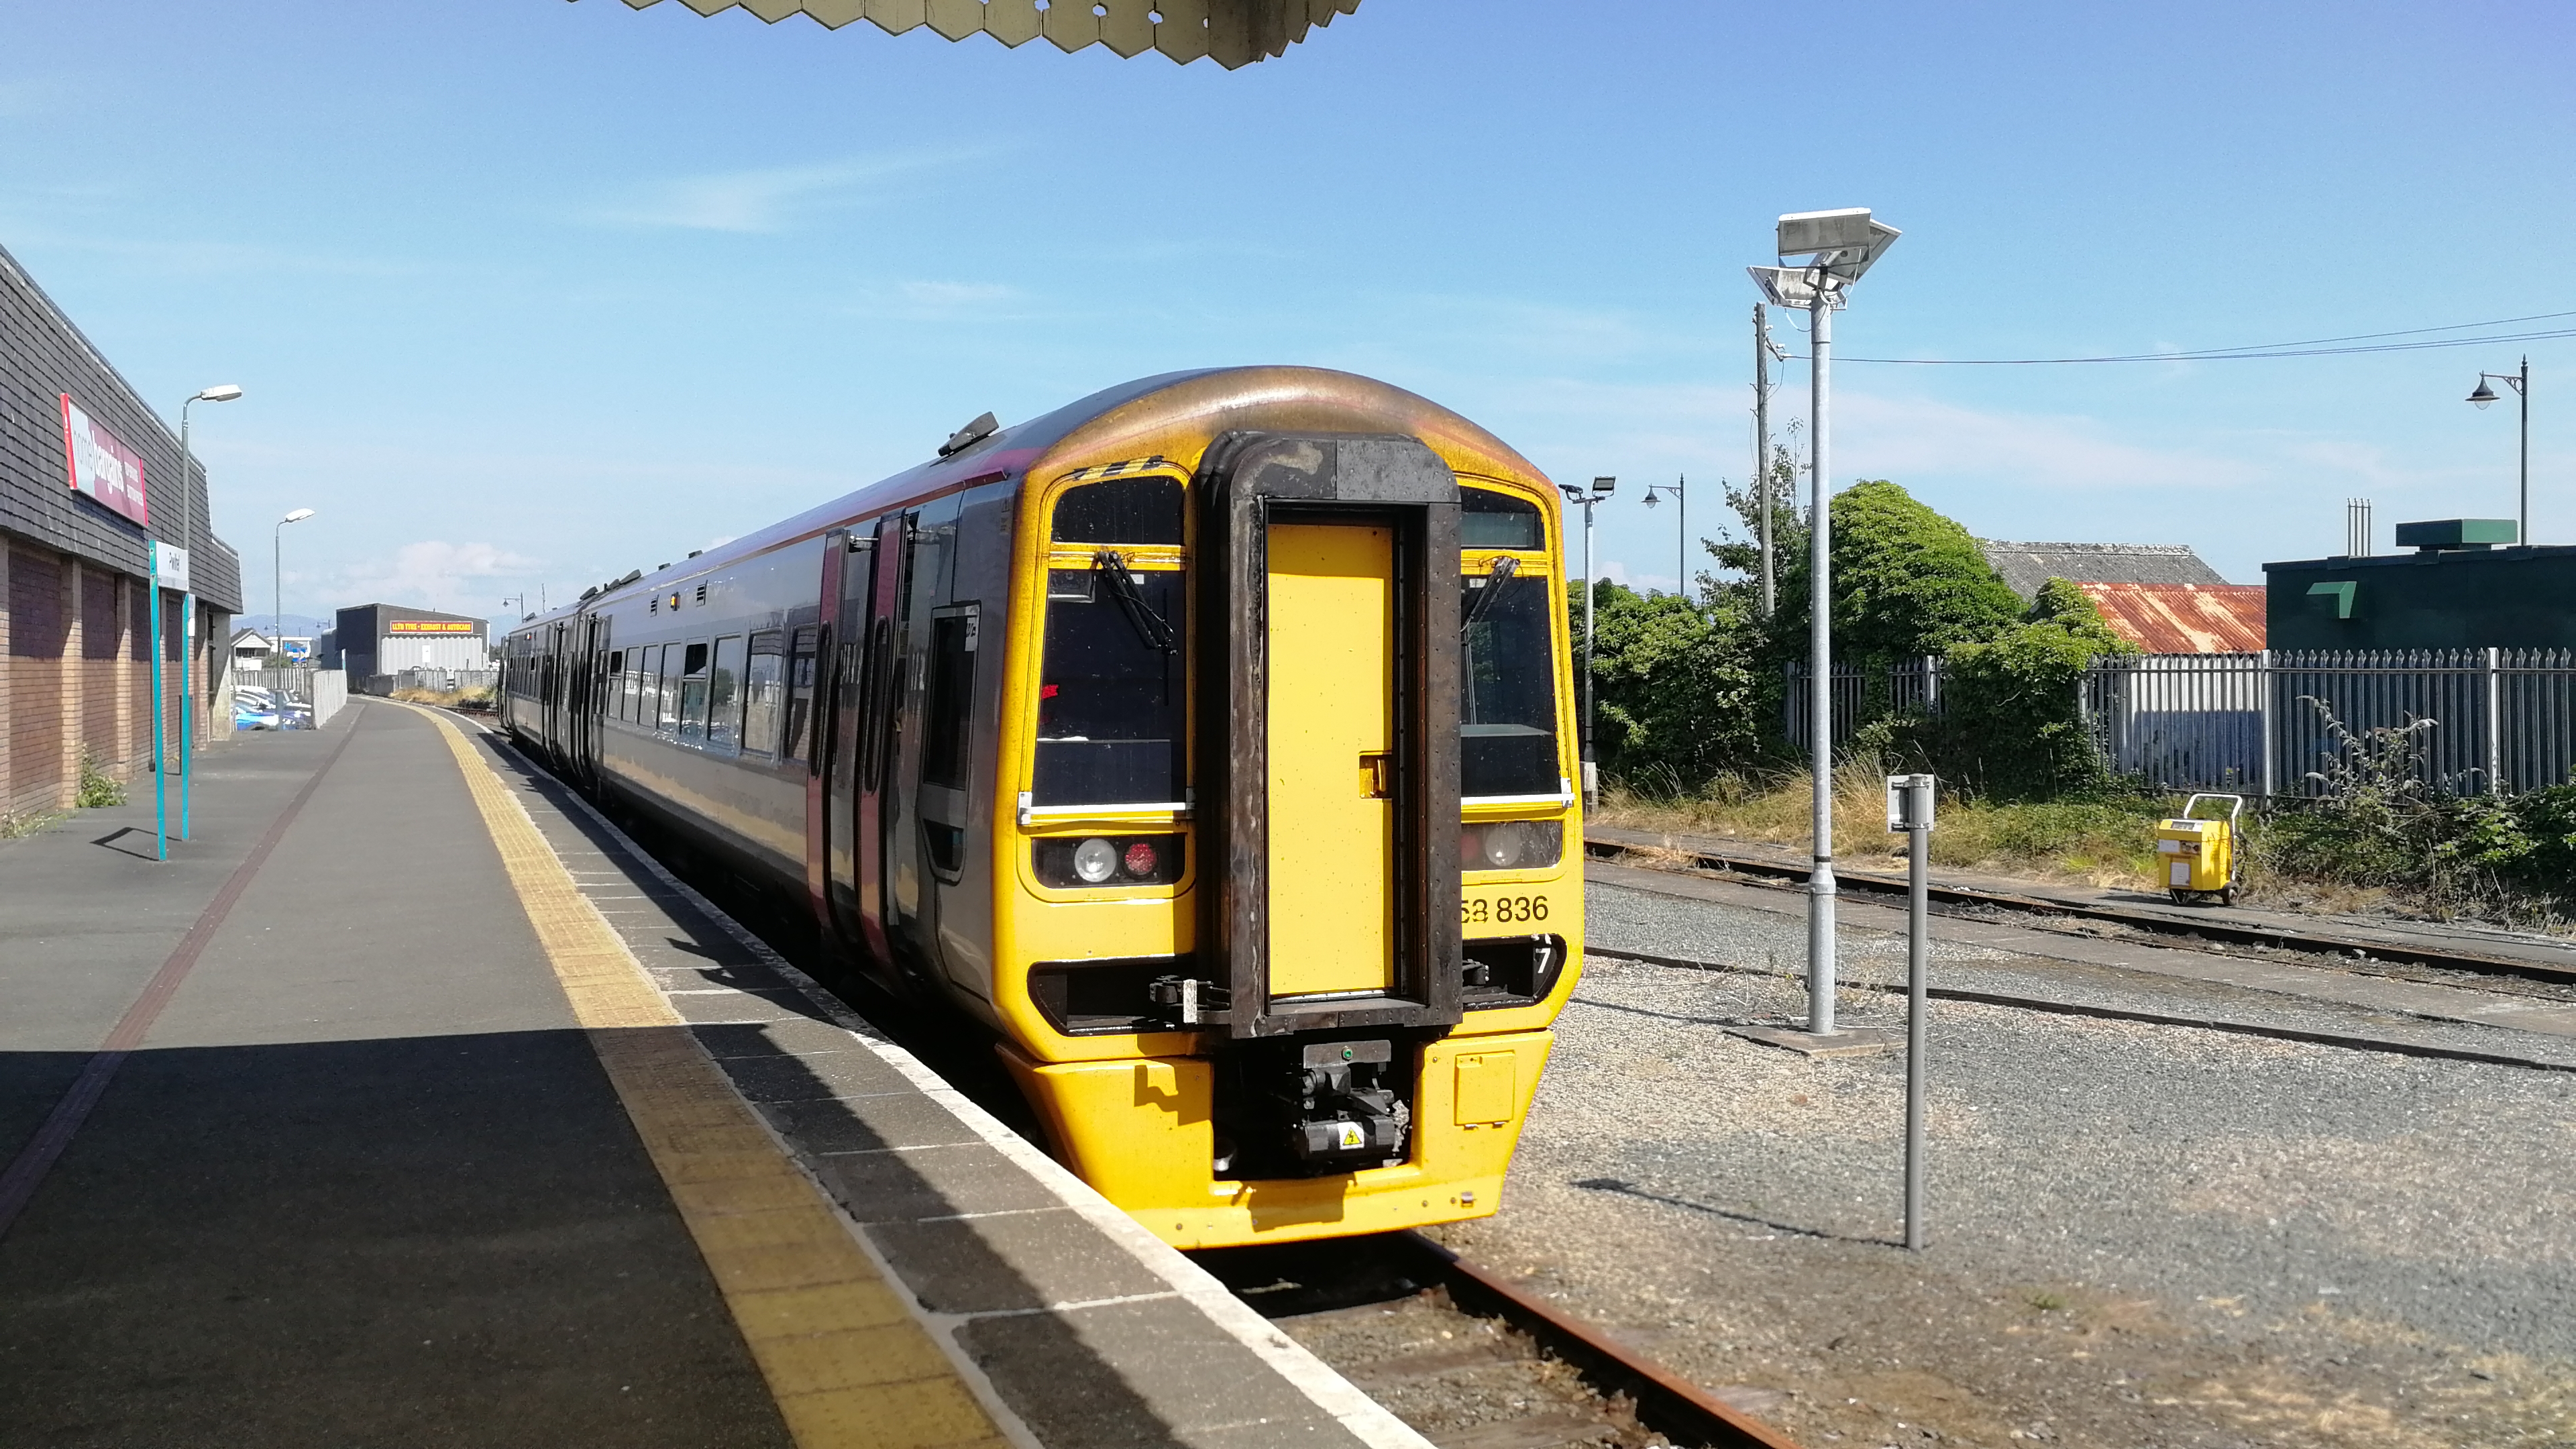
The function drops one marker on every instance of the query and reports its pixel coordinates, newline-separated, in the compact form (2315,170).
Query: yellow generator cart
(2199,852)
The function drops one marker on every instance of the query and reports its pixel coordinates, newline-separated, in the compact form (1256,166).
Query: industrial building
(89,479)
(2466,585)
(380,640)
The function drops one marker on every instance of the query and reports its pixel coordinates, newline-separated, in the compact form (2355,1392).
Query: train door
(877,732)
(590,693)
(809,684)
(1329,652)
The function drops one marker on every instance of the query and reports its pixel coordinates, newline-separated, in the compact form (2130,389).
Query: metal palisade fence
(2483,721)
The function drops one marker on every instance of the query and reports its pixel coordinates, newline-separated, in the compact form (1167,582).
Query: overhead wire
(2313,347)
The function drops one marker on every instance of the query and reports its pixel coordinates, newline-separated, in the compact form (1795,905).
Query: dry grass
(447,698)
(2097,843)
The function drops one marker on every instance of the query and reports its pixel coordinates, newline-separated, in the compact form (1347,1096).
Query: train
(1206,744)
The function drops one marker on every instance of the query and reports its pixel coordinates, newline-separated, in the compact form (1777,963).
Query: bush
(2012,727)
(1674,688)
(1908,581)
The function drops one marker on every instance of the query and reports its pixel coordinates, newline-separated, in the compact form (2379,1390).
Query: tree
(1907,581)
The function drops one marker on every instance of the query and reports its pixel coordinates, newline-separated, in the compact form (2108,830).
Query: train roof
(1160,416)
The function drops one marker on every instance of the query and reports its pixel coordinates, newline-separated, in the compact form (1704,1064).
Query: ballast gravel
(2140,1235)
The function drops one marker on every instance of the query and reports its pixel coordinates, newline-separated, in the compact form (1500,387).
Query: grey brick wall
(42,356)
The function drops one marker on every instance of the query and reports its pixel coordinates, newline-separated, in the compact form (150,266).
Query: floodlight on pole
(1840,245)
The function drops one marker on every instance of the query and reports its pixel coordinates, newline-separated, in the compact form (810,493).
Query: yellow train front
(1232,793)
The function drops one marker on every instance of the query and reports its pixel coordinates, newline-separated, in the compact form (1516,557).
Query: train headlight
(1095,861)
(1498,846)
(1510,845)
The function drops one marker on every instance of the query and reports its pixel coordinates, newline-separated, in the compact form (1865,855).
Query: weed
(2043,1301)
(18,825)
(97,787)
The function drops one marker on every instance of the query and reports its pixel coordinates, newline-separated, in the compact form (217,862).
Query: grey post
(1820,669)
(2495,720)
(1917,805)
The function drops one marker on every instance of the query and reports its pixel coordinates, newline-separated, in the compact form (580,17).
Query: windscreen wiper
(1504,568)
(1150,626)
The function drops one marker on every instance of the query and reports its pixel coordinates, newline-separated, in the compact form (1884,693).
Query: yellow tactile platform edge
(846,1363)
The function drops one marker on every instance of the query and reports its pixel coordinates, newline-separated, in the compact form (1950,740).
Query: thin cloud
(455,578)
(763,200)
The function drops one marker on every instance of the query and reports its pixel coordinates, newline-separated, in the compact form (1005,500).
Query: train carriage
(1207,742)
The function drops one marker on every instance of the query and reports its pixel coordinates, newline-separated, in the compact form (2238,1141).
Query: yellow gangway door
(2198,854)
(1331,725)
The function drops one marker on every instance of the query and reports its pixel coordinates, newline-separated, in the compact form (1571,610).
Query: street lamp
(276,597)
(2520,382)
(220,392)
(1601,489)
(1839,246)
(1680,489)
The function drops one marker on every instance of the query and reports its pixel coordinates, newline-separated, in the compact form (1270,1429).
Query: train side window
(1121,510)
(763,685)
(724,696)
(693,693)
(650,687)
(948,720)
(800,695)
(952,700)
(1111,707)
(1487,519)
(630,685)
(667,721)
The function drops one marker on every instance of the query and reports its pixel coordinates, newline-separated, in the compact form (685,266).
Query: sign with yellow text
(429,626)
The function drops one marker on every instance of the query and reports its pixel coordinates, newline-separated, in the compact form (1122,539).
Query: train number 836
(1501,908)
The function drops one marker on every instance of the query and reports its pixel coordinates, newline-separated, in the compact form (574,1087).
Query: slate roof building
(2026,566)
(89,477)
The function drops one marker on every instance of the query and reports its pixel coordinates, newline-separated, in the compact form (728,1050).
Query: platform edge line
(650,1057)
(1366,1419)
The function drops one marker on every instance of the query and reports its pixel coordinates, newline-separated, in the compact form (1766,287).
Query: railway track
(2347,948)
(1474,1358)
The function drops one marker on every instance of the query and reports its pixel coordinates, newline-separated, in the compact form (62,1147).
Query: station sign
(169,566)
(101,465)
(429,626)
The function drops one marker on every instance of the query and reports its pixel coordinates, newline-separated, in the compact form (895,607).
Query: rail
(2207,926)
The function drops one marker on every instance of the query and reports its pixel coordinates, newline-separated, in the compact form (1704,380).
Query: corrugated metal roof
(2182,618)
(2026,566)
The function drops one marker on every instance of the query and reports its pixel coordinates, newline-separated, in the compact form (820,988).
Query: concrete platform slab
(378,1172)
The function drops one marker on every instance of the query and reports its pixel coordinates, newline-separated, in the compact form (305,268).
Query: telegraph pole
(1762,444)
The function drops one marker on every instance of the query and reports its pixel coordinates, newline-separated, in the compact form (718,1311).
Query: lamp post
(277,594)
(1601,488)
(220,392)
(2520,382)
(1680,489)
(1840,246)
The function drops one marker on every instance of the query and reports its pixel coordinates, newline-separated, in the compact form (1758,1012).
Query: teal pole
(160,719)
(187,611)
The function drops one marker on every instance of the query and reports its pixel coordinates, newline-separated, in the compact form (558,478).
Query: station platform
(410,1103)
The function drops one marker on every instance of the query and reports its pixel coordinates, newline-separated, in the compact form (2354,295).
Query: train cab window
(724,694)
(800,695)
(1507,689)
(1487,519)
(1121,510)
(693,693)
(1111,710)
(763,683)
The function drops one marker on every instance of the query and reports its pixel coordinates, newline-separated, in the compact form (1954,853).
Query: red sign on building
(102,467)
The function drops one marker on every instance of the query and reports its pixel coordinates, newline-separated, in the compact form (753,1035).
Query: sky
(526,293)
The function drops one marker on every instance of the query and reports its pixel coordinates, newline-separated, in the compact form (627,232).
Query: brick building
(75,601)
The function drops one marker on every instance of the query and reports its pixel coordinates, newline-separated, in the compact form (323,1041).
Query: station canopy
(1231,32)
